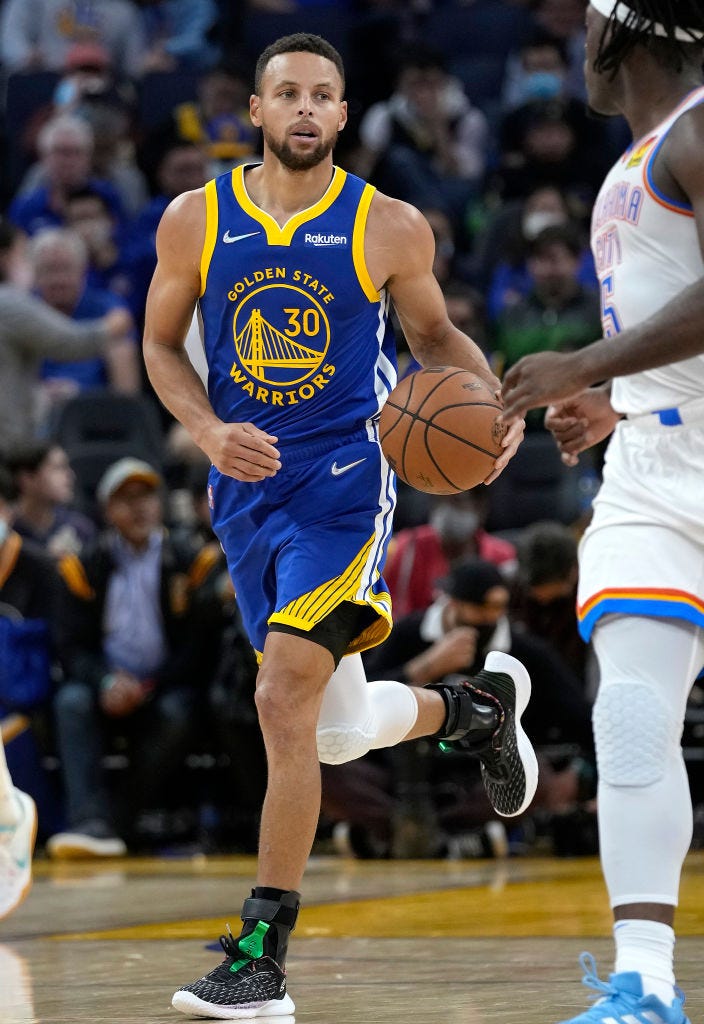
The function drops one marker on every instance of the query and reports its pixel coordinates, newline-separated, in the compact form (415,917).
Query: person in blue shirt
(66,149)
(59,262)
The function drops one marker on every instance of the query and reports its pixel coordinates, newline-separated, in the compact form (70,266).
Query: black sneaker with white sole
(509,766)
(235,989)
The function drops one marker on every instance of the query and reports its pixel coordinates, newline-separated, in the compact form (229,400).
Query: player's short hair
(298,42)
(642,28)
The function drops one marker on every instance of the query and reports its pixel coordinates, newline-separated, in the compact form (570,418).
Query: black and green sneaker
(251,981)
(484,719)
(242,986)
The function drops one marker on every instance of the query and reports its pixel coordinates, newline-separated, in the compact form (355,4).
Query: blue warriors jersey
(297,342)
(296,335)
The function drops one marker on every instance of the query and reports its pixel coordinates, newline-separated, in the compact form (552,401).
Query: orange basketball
(440,431)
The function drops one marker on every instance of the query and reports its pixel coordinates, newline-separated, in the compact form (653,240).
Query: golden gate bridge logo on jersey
(281,339)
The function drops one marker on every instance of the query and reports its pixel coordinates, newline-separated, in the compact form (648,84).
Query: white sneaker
(16,849)
(91,839)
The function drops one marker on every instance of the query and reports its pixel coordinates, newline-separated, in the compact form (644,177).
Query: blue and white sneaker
(16,849)
(622,1001)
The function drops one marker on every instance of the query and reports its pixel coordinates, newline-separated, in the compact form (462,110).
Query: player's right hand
(242,451)
(581,422)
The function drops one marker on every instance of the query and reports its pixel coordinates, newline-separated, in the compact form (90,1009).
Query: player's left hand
(511,441)
(538,380)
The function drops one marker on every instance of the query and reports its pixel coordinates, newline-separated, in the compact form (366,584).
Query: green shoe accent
(251,945)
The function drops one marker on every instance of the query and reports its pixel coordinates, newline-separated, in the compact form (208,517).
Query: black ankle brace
(268,924)
(463,715)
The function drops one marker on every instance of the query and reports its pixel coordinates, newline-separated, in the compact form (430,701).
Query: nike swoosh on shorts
(339,470)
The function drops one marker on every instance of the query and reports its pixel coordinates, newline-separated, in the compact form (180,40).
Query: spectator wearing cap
(131,660)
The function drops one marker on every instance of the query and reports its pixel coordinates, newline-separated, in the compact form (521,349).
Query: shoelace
(229,945)
(592,980)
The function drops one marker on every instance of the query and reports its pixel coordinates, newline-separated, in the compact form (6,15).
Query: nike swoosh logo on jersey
(227,237)
(339,470)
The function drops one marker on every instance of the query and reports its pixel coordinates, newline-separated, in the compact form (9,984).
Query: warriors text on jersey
(646,250)
(296,335)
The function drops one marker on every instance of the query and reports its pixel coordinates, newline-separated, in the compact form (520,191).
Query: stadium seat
(99,418)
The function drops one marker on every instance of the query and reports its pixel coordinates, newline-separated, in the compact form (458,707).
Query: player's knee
(338,744)
(635,733)
(282,712)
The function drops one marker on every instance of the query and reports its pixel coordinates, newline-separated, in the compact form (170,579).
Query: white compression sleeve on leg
(357,716)
(647,668)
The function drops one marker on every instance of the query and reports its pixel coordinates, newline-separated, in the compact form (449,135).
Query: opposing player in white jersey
(641,584)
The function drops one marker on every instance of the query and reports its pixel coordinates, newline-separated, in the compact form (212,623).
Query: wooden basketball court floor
(386,942)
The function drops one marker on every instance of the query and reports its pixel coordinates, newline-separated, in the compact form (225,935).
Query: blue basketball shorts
(300,543)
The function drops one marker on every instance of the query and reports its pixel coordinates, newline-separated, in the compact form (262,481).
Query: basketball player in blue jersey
(642,557)
(293,264)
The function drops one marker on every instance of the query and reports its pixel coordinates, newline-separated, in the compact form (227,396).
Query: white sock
(647,947)
(9,808)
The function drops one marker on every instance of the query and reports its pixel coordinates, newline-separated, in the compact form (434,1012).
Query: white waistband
(684,415)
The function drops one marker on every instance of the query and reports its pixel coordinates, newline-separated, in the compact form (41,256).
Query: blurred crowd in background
(126,683)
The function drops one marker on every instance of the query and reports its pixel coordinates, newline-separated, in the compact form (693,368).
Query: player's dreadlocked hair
(638,29)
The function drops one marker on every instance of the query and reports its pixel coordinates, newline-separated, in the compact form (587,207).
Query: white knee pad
(357,716)
(340,743)
(634,733)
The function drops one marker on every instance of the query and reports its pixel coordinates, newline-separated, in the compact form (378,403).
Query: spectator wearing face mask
(502,250)
(426,144)
(537,71)
(419,556)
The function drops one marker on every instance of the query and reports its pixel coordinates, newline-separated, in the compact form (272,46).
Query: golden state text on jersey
(296,336)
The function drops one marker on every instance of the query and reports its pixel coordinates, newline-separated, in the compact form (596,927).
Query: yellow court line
(570,903)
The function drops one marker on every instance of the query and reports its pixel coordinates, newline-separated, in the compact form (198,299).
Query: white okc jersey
(646,252)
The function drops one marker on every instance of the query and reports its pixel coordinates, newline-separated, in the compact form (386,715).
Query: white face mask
(4,531)
(533,223)
(452,524)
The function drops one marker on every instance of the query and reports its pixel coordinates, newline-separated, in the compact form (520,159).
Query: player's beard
(299,161)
